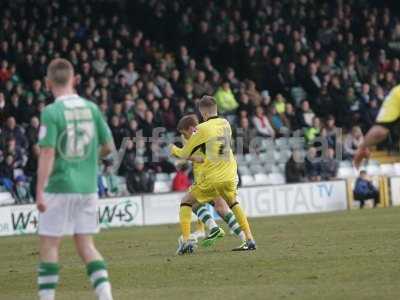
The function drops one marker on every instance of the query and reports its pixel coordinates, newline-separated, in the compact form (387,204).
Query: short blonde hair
(208,103)
(60,71)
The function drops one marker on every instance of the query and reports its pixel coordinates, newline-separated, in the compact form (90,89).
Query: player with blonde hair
(71,132)
(219,170)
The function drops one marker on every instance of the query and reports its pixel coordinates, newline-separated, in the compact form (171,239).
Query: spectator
(364,190)
(225,99)
(278,121)
(291,117)
(168,115)
(252,93)
(7,173)
(22,191)
(370,114)
(111,187)
(32,131)
(329,165)
(306,115)
(30,169)
(331,131)
(314,131)
(16,152)
(117,130)
(140,181)
(181,181)
(3,109)
(295,170)
(201,86)
(4,72)
(246,135)
(280,104)
(313,165)
(12,130)
(129,73)
(262,124)
(352,141)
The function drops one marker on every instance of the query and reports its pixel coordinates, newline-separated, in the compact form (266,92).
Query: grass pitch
(348,255)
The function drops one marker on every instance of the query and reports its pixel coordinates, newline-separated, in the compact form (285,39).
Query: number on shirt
(79,135)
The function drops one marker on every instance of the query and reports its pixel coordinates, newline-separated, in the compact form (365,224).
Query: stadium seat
(261,179)
(247,180)
(244,170)
(275,169)
(296,143)
(282,143)
(373,170)
(387,170)
(248,158)
(162,187)
(285,156)
(162,177)
(6,199)
(266,157)
(268,167)
(277,155)
(255,169)
(267,144)
(281,167)
(276,178)
(346,172)
(345,164)
(397,169)
(373,162)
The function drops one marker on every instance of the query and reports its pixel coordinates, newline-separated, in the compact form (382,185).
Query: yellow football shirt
(214,136)
(197,167)
(390,110)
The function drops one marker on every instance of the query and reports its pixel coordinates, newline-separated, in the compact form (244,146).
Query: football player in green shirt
(71,133)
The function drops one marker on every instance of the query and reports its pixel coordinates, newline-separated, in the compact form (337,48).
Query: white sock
(210,223)
(103,291)
(205,216)
(242,236)
(47,294)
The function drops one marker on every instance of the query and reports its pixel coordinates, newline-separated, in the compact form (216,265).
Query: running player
(187,126)
(388,116)
(72,129)
(219,170)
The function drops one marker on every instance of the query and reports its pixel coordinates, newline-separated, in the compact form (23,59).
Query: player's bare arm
(106,149)
(375,135)
(45,166)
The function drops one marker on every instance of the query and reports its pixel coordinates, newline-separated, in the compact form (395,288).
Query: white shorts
(69,214)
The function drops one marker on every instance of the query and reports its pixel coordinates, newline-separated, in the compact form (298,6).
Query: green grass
(349,255)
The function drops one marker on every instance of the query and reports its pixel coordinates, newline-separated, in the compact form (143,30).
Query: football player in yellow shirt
(388,116)
(187,126)
(219,170)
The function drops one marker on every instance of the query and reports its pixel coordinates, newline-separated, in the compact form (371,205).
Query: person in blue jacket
(365,190)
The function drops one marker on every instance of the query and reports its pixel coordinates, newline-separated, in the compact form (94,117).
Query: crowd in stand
(274,67)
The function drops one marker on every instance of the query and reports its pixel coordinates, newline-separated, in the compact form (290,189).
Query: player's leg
(200,231)
(203,194)
(204,215)
(222,208)
(53,224)
(48,269)
(95,265)
(85,225)
(186,245)
(228,191)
